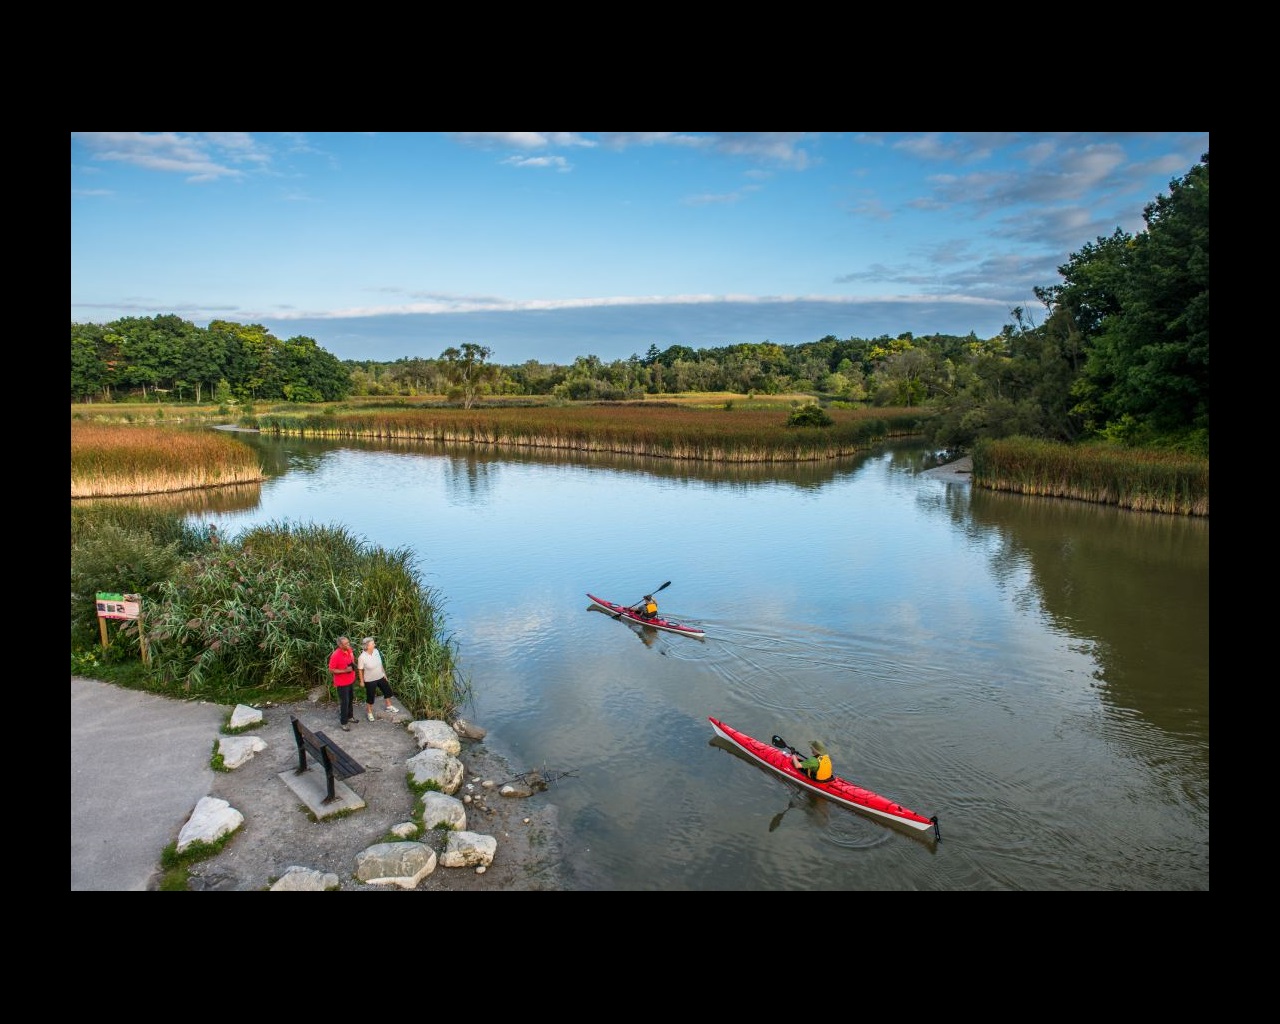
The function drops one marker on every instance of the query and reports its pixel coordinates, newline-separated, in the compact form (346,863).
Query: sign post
(127,607)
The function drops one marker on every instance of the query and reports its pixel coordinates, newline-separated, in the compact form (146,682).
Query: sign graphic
(119,606)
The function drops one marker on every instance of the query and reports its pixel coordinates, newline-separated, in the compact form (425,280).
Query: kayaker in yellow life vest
(817,766)
(647,608)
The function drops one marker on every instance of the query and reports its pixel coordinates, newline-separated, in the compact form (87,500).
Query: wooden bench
(338,764)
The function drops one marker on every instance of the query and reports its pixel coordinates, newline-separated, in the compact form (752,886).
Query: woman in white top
(374,676)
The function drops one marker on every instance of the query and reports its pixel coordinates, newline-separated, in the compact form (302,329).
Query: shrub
(810,415)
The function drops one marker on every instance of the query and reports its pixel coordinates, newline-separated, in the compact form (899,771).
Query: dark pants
(345,714)
(378,686)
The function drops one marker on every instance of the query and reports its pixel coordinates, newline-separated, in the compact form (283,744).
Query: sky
(551,246)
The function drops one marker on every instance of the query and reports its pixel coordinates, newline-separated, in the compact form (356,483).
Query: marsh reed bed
(110,460)
(664,431)
(113,460)
(1140,479)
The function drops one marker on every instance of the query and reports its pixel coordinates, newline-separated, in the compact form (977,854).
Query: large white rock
(300,879)
(402,864)
(468,849)
(210,821)
(236,750)
(432,765)
(436,734)
(244,716)
(441,809)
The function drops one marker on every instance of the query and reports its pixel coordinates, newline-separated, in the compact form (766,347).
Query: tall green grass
(264,611)
(255,617)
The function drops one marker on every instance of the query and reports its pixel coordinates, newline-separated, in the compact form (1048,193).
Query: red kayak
(624,612)
(778,758)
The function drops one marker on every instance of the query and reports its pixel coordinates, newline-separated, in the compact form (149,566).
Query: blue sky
(554,245)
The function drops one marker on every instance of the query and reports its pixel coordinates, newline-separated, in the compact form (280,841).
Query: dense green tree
(467,371)
(202,360)
(904,376)
(151,348)
(676,353)
(1124,351)
(92,371)
(310,374)
(246,348)
(534,378)
(1093,281)
(164,353)
(1147,368)
(416,376)
(1018,383)
(743,372)
(1045,366)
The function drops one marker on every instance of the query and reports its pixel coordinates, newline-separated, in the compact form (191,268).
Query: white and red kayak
(777,758)
(625,612)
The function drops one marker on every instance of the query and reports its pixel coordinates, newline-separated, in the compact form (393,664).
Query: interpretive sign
(119,606)
(123,607)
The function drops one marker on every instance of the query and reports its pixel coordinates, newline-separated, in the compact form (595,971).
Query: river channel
(1035,672)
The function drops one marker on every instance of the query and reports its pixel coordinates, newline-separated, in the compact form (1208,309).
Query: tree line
(1119,351)
(162,356)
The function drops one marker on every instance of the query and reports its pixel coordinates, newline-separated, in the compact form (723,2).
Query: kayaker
(646,609)
(817,766)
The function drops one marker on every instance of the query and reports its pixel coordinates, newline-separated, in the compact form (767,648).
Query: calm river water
(1035,672)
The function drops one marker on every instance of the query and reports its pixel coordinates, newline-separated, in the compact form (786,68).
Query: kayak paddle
(618,615)
(782,744)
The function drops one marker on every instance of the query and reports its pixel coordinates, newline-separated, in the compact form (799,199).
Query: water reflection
(470,461)
(1131,587)
(647,635)
(229,498)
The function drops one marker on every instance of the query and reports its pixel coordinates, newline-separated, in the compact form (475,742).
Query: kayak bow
(623,611)
(834,788)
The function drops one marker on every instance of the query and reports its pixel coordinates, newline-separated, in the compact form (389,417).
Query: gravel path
(140,763)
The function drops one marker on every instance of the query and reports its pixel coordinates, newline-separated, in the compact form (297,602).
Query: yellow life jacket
(650,609)
(822,771)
